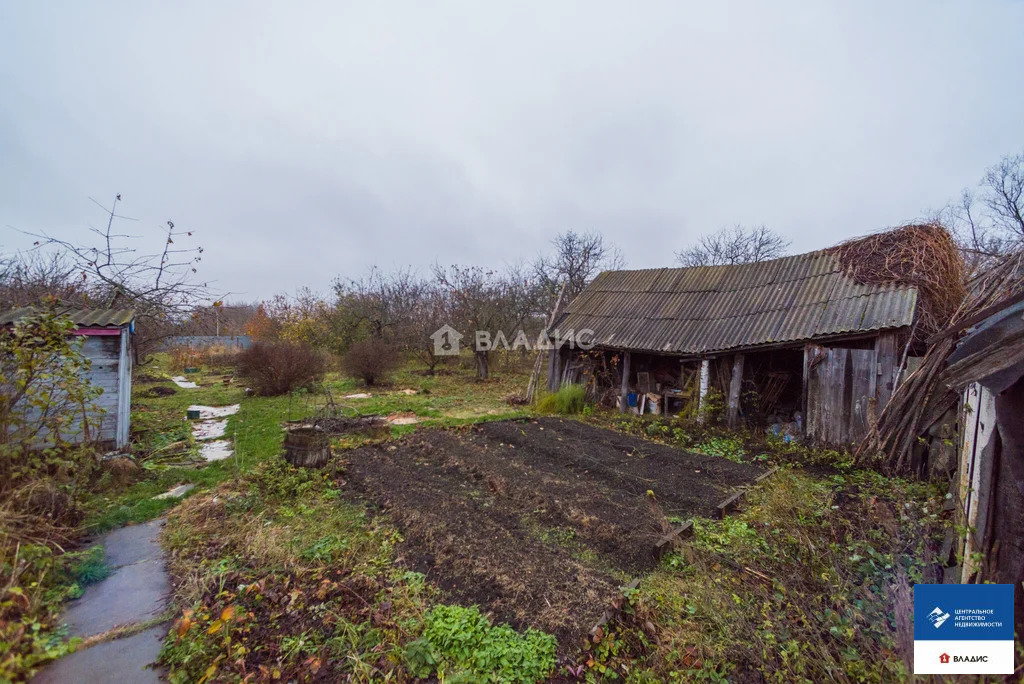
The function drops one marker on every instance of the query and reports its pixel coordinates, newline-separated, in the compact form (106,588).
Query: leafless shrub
(274,369)
(516,399)
(370,360)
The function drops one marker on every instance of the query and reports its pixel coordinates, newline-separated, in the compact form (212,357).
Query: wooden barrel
(307,447)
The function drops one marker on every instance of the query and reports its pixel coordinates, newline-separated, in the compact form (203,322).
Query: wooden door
(841,394)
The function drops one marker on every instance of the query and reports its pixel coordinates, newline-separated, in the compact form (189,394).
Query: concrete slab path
(136,592)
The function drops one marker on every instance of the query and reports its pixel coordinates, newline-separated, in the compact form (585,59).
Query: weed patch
(804,584)
(568,400)
(460,644)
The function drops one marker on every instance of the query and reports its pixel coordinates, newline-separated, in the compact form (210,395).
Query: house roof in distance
(704,309)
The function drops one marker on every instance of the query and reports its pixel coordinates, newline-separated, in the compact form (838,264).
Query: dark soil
(538,521)
(361,424)
(157,392)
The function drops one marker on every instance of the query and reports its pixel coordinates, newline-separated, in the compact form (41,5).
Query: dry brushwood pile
(923,398)
(922,255)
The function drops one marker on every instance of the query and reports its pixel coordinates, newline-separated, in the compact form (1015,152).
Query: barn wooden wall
(841,390)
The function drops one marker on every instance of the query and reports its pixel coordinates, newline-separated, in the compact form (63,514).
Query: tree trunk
(735,389)
(481,364)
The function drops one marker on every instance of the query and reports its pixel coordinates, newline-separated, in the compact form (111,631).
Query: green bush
(569,400)
(461,643)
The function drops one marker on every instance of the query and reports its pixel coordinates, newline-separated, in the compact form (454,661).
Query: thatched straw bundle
(923,255)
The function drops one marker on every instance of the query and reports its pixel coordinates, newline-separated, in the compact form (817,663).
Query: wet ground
(134,594)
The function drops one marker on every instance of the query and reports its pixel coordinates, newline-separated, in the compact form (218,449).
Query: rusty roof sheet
(716,308)
(85,318)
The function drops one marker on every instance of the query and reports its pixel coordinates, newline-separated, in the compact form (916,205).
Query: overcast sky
(304,140)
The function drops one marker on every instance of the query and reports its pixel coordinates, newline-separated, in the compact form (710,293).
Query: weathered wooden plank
(864,376)
(665,544)
(729,504)
(887,358)
(805,386)
(813,410)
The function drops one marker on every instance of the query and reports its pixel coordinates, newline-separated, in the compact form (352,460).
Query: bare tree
(736,245)
(159,285)
(989,221)
(433,310)
(576,259)
(380,305)
(486,302)
(27,278)
(1004,197)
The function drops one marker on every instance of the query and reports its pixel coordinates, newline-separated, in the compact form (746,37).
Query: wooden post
(735,385)
(806,386)
(885,357)
(705,381)
(538,364)
(623,401)
(554,366)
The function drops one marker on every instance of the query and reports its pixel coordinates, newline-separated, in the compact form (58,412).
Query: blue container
(632,399)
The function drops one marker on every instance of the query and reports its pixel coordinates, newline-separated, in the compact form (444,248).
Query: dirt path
(133,600)
(134,596)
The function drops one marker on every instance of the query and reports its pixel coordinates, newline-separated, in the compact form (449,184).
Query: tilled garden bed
(537,521)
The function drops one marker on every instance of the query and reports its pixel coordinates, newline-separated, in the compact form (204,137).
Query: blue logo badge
(963,612)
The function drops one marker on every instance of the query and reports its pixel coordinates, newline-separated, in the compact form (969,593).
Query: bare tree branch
(736,245)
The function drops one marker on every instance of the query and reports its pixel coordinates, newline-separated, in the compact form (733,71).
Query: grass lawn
(280,574)
(448,399)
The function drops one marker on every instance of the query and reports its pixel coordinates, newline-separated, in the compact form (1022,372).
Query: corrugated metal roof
(86,318)
(714,308)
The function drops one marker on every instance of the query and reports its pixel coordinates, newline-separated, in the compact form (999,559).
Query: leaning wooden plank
(665,544)
(531,388)
(728,505)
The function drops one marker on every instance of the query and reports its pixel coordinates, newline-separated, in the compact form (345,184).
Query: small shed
(108,339)
(793,342)
(988,368)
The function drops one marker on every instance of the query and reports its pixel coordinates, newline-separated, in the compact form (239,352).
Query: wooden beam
(665,544)
(728,505)
(531,388)
(977,317)
(735,386)
(623,401)
(805,387)
(554,367)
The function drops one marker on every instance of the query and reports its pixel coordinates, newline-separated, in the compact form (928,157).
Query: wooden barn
(107,342)
(793,343)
